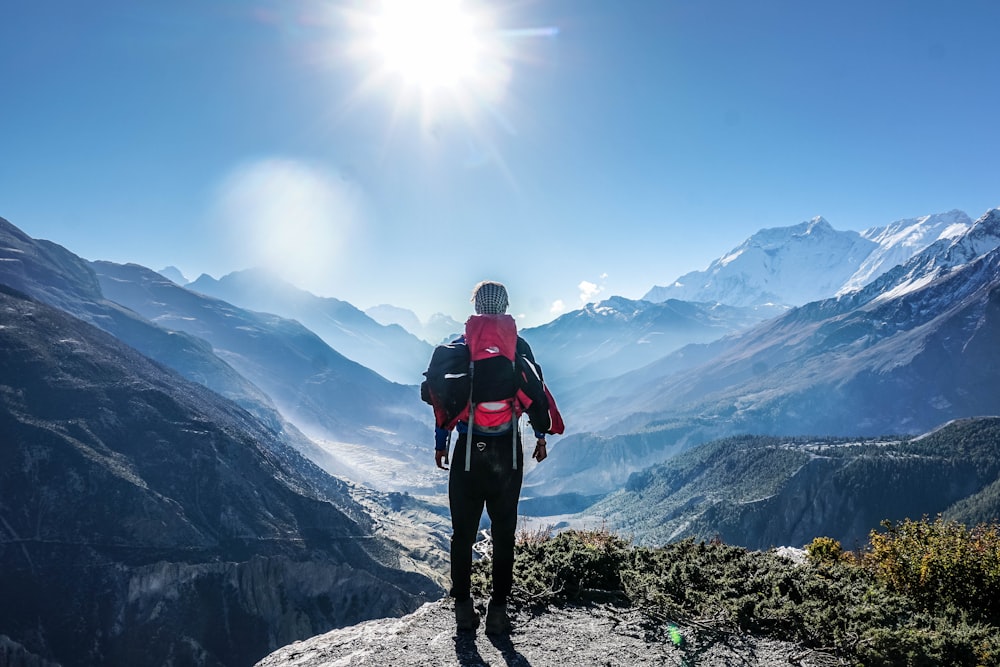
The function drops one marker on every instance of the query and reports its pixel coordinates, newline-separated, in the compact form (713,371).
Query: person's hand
(540,454)
(440,458)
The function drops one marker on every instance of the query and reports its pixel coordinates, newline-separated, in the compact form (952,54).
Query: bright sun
(443,59)
(430,44)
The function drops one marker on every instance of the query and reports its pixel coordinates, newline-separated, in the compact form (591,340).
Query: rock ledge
(602,635)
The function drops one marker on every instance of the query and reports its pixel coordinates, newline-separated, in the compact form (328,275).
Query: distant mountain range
(618,335)
(436,330)
(912,350)
(389,350)
(339,403)
(792,266)
(361,426)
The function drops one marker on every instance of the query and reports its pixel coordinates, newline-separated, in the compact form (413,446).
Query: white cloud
(558,307)
(589,290)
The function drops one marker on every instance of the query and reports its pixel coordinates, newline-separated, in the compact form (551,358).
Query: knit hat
(490,298)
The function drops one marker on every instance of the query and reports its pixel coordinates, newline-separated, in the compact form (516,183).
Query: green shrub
(891,607)
(825,551)
(941,564)
(568,567)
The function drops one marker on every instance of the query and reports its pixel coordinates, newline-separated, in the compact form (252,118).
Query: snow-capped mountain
(808,262)
(938,259)
(438,328)
(390,351)
(901,240)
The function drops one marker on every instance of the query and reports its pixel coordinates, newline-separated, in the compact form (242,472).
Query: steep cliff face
(144,520)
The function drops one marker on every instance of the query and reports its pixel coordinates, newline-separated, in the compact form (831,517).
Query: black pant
(493,482)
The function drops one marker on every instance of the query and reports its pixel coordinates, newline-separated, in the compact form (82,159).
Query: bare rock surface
(598,635)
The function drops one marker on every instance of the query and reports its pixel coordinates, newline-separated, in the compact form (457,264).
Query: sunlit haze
(398,152)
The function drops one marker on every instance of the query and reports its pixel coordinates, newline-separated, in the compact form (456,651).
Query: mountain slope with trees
(761,492)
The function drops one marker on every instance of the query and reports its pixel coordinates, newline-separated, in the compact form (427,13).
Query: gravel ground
(599,635)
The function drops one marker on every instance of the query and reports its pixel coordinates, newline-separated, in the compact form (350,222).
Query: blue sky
(598,148)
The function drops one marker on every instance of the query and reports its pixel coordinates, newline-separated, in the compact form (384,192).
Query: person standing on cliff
(479,385)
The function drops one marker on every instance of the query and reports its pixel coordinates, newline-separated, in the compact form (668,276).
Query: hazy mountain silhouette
(389,350)
(329,397)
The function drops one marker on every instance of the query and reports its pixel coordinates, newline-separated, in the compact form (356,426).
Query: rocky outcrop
(602,635)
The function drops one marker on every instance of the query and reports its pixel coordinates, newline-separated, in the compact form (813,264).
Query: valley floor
(598,635)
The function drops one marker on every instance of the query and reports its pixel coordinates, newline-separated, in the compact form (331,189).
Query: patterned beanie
(490,298)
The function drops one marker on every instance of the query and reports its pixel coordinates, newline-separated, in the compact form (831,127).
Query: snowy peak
(920,232)
(901,240)
(982,238)
(780,265)
(817,228)
(616,306)
(936,260)
(812,261)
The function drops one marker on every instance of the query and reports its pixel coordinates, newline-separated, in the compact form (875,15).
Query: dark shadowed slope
(144,519)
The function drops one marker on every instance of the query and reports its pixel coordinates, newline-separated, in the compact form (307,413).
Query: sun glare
(447,63)
(433,43)
(444,53)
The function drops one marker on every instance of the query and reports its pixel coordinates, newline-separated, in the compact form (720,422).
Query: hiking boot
(465,615)
(497,621)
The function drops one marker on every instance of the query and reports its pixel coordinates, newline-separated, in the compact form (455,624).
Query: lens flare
(289,217)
